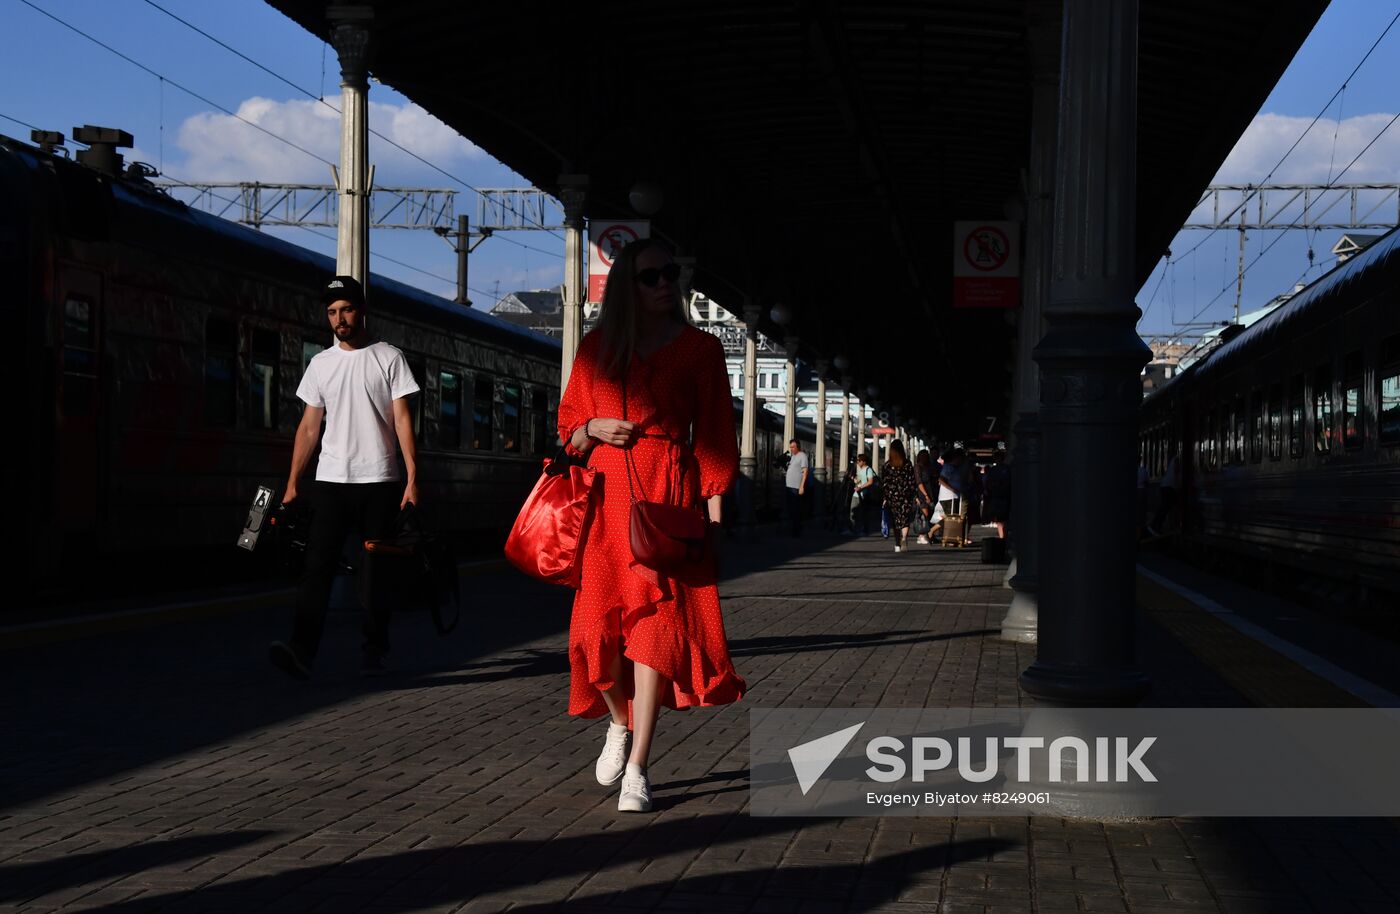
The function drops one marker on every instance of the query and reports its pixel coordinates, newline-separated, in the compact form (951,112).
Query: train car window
(1295,417)
(1256,430)
(1323,430)
(1388,384)
(1275,423)
(510,417)
(220,367)
(309,350)
(79,358)
(1352,421)
(1211,439)
(1237,431)
(449,409)
(539,422)
(483,408)
(266,351)
(419,370)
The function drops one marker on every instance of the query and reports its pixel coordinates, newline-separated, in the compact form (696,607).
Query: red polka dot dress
(677,395)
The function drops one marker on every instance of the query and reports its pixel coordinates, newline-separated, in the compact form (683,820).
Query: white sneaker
(897,549)
(922,540)
(612,761)
(636,793)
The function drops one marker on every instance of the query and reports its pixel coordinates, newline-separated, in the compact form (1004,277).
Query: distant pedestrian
(950,483)
(927,490)
(864,500)
(798,470)
(360,387)
(900,487)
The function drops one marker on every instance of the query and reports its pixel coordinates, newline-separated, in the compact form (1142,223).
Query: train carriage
(1289,432)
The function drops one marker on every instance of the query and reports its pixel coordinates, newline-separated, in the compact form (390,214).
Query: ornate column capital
(573,193)
(350,36)
(752,314)
(822,366)
(790,345)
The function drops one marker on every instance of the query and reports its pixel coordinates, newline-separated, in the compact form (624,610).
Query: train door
(76,482)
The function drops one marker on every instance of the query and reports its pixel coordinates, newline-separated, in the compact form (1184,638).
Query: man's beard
(346,332)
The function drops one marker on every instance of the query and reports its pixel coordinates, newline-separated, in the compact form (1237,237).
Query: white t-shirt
(357,388)
(796,465)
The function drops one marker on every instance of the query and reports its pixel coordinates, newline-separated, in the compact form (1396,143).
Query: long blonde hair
(617,321)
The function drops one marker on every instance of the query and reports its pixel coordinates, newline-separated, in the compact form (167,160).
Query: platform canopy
(818,152)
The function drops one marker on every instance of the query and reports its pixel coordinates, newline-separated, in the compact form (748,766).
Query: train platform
(171,769)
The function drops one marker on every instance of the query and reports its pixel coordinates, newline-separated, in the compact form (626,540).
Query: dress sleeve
(576,406)
(716,446)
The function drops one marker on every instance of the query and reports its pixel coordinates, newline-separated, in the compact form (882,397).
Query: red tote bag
(547,539)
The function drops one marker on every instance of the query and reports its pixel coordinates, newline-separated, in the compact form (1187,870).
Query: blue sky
(57,79)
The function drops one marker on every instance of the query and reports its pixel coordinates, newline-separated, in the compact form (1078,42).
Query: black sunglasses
(653,275)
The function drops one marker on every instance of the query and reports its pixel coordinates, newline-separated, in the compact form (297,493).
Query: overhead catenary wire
(321,99)
(1325,108)
(1278,237)
(192,93)
(451,281)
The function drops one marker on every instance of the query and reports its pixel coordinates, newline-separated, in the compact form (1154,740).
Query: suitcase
(955,530)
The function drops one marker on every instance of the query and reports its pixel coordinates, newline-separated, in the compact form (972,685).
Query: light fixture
(646,197)
(842,363)
(872,391)
(781,314)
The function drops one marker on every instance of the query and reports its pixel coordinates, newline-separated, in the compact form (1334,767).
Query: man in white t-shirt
(360,386)
(796,481)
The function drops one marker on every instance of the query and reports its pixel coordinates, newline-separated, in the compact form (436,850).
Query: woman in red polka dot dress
(639,639)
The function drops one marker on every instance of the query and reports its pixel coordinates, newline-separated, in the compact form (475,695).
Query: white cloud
(1269,136)
(219,147)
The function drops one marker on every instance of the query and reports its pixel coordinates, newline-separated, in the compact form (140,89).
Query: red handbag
(665,538)
(548,537)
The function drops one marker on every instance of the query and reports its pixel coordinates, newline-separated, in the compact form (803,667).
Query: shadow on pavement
(30,880)
(443,876)
(803,643)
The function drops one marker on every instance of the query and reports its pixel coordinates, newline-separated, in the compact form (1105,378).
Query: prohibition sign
(986,248)
(612,240)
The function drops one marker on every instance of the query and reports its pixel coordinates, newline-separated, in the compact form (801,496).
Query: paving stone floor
(172,770)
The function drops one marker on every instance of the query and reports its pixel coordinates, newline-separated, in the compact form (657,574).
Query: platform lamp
(646,197)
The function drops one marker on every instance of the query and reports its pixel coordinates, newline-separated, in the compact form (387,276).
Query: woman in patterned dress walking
(899,485)
(646,382)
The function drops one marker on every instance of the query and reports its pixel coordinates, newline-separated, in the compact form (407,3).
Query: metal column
(351,39)
(860,429)
(1044,39)
(1090,359)
(790,394)
(573,191)
(819,471)
(748,439)
(844,455)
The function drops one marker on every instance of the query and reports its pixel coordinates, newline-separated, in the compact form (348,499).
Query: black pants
(794,505)
(338,509)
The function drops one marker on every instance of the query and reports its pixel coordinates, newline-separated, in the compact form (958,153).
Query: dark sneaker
(373,665)
(285,658)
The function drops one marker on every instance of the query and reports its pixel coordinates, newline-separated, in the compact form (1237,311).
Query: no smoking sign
(605,241)
(986,265)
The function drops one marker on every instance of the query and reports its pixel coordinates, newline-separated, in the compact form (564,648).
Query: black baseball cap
(343,288)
